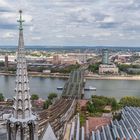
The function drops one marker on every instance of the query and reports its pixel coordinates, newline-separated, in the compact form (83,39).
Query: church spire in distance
(22,124)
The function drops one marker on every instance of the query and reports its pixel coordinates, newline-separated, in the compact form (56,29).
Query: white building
(108,69)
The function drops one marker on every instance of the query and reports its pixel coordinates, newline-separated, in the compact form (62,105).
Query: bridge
(63,109)
(74,86)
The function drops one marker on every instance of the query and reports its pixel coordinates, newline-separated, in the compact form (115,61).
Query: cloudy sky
(72,22)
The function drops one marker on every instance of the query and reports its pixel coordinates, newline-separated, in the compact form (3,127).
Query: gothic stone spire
(22,105)
(22,124)
(20,20)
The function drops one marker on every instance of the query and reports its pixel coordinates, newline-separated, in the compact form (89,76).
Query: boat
(59,88)
(90,88)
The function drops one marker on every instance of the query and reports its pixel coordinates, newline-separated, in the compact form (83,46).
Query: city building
(108,69)
(105,55)
(56,59)
(123,58)
(6,62)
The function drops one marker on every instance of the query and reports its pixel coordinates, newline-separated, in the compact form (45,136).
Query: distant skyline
(72,22)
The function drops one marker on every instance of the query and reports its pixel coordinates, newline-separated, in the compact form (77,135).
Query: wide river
(44,86)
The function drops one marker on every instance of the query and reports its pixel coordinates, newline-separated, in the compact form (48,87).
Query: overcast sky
(72,22)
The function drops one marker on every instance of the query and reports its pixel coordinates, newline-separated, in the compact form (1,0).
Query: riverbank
(88,77)
(103,77)
(39,74)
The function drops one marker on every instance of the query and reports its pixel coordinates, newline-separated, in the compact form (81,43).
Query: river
(43,86)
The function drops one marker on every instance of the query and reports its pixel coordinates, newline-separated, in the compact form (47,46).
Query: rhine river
(43,86)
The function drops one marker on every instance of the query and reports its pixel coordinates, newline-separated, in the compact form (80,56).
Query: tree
(1,97)
(1,63)
(82,119)
(52,96)
(130,101)
(34,97)
(114,104)
(94,67)
(47,104)
(12,69)
(90,107)
(99,103)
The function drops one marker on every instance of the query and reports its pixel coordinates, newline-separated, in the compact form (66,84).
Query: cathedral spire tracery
(22,125)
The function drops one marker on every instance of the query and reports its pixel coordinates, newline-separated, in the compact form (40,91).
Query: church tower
(22,125)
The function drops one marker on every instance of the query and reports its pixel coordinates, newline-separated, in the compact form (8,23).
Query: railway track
(57,115)
(63,109)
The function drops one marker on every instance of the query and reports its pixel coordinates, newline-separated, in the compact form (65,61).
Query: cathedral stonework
(22,125)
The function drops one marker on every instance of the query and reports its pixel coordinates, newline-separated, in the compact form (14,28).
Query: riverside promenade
(88,77)
(112,77)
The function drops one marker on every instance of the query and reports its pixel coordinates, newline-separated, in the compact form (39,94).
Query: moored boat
(59,88)
(90,88)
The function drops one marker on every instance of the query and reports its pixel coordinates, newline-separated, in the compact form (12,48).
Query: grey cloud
(8,26)
(108,25)
(83,19)
(4,10)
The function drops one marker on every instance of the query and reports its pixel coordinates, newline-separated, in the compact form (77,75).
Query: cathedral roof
(49,133)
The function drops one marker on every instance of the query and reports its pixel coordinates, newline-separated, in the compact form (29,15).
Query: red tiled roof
(96,122)
(82,103)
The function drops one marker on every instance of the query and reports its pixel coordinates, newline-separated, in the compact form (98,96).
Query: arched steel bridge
(63,109)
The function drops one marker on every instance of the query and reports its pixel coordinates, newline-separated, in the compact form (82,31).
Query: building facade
(105,55)
(108,69)
(6,62)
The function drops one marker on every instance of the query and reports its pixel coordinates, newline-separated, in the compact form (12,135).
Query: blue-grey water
(43,86)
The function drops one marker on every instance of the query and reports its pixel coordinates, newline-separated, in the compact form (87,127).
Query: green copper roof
(20,21)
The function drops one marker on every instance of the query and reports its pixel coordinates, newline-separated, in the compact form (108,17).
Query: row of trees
(35,97)
(94,67)
(50,96)
(124,67)
(67,69)
(129,69)
(48,102)
(98,103)
(130,101)
(1,97)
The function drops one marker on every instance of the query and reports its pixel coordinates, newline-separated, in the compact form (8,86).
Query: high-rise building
(6,62)
(105,56)
(22,125)
(56,59)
